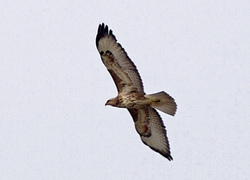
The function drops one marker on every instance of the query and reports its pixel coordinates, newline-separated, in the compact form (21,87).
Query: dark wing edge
(125,64)
(103,31)
(156,129)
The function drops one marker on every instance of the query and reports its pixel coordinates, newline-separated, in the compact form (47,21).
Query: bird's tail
(163,102)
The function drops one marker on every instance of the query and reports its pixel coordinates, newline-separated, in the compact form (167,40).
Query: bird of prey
(131,95)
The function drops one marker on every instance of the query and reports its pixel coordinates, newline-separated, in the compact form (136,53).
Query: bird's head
(112,102)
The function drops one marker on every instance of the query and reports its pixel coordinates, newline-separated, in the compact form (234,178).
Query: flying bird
(131,95)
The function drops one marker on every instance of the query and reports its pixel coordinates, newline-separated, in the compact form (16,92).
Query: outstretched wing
(114,57)
(151,129)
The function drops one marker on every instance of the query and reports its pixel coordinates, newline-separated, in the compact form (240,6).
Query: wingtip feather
(166,155)
(103,30)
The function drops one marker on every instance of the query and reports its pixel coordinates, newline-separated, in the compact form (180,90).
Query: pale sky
(53,122)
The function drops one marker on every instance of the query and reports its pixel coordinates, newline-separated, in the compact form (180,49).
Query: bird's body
(131,93)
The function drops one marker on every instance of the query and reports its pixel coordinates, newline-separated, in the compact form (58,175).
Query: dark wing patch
(116,60)
(141,120)
(118,81)
(151,129)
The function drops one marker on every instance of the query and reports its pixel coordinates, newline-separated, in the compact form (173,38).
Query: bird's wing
(151,129)
(119,65)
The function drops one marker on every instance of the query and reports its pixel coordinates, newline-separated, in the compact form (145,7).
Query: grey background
(53,122)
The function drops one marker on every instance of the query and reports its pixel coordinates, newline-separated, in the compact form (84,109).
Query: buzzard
(131,95)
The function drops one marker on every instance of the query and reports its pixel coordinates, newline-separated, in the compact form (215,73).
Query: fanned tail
(163,102)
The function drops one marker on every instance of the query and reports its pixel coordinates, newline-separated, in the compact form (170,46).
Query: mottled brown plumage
(131,95)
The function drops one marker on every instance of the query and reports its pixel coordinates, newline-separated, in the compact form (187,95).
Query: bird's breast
(132,100)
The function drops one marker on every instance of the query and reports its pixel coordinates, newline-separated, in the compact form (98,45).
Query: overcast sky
(53,87)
